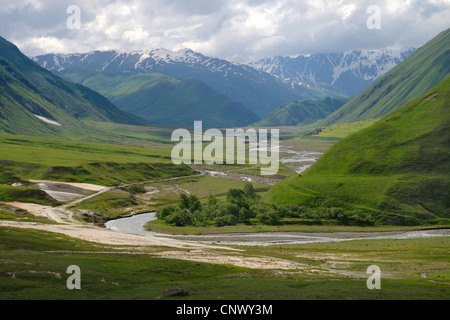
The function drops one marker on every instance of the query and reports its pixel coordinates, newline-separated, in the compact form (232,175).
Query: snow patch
(48,121)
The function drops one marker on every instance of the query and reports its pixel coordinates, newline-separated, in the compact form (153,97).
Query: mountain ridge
(164,100)
(351,71)
(257,90)
(302,112)
(28,90)
(425,68)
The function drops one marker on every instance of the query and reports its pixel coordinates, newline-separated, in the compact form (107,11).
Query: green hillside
(426,68)
(20,100)
(396,170)
(27,90)
(80,135)
(165,100)
(302,112)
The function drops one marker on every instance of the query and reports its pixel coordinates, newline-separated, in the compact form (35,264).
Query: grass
(58,152)
(113,204)
(23,194)
(396,169)
(257,227)
(123,201)
(303,112)
(206,185)
(340,131)
(402,258)
(25,158)
(34,266)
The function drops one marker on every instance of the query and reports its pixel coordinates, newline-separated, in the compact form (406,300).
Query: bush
(249,191)
(270,217)
(164,212)
(226,220)
(179,218)
(190,203)
(238,198)
(245,215)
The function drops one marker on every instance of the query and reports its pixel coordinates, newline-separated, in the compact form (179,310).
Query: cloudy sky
(237,30)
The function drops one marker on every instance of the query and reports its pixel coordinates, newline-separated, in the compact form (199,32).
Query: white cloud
(233,29)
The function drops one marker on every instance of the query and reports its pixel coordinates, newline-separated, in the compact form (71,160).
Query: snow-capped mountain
(258,90)
(142,61)
(352,72)
(261,86)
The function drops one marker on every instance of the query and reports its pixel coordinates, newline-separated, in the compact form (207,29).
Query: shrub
(179,218)
(270,217)
(226,220)
(164,212)
(190,203)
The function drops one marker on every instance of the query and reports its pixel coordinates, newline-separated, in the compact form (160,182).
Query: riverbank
(138,225)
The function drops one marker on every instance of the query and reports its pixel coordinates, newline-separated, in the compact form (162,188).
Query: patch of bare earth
(230,259)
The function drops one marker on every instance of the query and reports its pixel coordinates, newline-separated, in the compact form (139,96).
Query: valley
(260,257)
(87,178)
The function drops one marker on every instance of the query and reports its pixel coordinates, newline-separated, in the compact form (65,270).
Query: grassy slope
(302,112)
(397,168)
(427,67)
(18,96)
(164,100)
(26,89)
(25,158)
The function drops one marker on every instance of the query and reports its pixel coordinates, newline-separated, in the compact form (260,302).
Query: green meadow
(34,265)
(396,170)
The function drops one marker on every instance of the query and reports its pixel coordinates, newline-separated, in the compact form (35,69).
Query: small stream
(136,225)
(296,160)
(299,160)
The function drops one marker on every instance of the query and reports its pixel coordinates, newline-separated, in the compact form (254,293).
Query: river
(136,225)
(299,161)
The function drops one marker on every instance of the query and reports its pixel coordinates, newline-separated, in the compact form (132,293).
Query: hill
(257,90)
(33,100)
(424,69)
(396,170)
(349,72)
(304,112)
(164,100)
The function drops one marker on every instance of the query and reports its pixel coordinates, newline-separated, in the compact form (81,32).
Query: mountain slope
(21,102)
(28,90)
(427,67)
(350,72)
(164,100)
(398,169)
(257,90)
(302,112)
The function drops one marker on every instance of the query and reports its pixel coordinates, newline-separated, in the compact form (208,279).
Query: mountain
(350,72)
(32,99)
(303,112)
(257,90)
(397,170)
(165,100)
(424,69)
